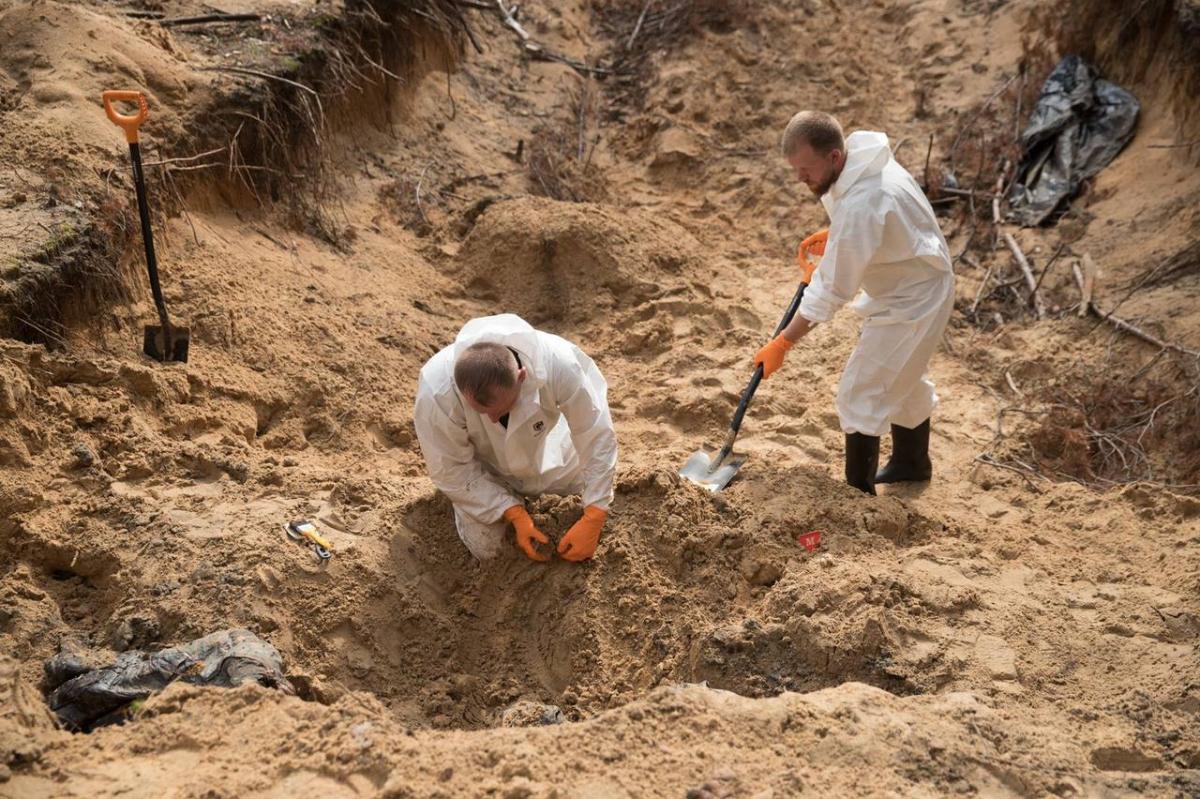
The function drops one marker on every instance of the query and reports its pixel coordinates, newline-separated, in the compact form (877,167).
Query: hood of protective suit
(867,153)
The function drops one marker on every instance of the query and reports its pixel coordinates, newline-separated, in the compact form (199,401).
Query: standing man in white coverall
(884,240)
(507,412)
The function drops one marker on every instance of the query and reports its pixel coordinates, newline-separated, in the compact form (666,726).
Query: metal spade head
(701,469)
(155,344)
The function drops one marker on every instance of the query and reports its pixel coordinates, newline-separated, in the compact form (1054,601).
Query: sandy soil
(991,633)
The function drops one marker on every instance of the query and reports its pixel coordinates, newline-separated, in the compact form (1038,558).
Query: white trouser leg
(917,406)
(885,379)
(485,540)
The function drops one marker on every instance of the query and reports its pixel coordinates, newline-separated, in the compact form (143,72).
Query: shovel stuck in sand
(715,471)
(164,341)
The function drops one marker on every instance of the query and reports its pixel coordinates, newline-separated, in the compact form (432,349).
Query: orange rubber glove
(580,541)
(526,532)
(771,356)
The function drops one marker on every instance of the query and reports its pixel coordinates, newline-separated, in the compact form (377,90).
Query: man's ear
(521,373)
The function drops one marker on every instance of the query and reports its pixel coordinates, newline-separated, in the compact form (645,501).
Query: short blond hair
(484,367)
(817,129)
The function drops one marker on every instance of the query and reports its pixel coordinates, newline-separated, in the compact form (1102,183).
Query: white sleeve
(582,396)
(453,466)
(854,239)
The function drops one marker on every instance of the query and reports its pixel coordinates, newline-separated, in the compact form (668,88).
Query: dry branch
(1088,284)
(1030,281)
(979,294)
(638,27)
(208,19)
(540,53)
(511,21)
(1038,308)
(183,159)
(1128,327)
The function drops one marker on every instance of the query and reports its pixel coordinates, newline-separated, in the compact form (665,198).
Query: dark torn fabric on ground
(1078,126)
(84,697)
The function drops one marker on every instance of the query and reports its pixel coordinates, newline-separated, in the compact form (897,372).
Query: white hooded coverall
(884,240)
(559,439)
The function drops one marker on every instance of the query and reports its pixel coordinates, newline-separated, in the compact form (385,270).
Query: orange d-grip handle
(127,122)
(814,244)
(807,267)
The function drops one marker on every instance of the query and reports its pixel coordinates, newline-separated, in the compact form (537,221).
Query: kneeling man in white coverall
(507,412)
(884,240)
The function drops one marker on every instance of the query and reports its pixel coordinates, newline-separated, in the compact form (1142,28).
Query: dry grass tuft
(1102,427)
(640,28)
(559,161)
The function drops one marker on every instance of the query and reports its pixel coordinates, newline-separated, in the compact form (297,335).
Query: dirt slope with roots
(998,632)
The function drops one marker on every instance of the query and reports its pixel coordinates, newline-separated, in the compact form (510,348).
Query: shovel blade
(699,469)
(154,343)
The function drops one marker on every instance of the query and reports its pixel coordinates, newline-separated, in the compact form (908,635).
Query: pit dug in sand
(686,587)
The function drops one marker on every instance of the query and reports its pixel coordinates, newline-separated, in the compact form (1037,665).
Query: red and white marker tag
(810,540)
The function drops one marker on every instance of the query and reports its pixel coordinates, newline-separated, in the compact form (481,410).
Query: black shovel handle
(139,183)
(130,123)
(752,386)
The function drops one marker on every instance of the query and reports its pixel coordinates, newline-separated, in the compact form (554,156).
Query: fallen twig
(1025,472)
(183,159)
(540,53)
(638,27)
(1038,308)
(978,111)
(584,99)
(1128,327)
(979,294)
(190,167)
(420,209)
(1012,384)
(928,153)
(207,19)
(965,193)
(1088,284)
(511,21)
(996,204)
(1050,263)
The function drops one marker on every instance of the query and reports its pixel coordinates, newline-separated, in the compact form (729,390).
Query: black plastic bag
(1077,128)
(86,697)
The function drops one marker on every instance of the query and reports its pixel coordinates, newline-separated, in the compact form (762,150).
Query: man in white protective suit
(507,412)
(884,241)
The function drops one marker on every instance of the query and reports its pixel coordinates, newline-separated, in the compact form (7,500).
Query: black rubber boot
(910,456)
(862,459)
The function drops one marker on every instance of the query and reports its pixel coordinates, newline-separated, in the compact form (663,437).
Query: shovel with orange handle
(715,471)
(164,341)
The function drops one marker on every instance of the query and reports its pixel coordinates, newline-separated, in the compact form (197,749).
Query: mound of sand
(565,264)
